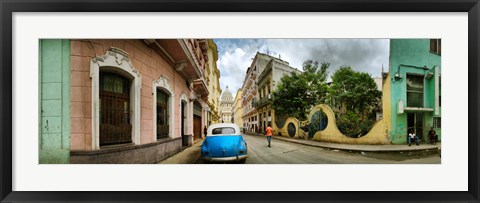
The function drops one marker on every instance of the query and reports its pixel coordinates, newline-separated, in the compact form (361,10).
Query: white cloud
(233,62)
(235,55)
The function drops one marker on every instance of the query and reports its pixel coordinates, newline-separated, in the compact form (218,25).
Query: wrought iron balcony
(263,102)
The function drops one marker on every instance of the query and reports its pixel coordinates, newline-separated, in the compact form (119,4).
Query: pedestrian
(205,131)
(411,136)
(433,136)
(269,134)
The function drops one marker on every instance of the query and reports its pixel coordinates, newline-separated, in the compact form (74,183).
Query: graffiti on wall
(318,122)
(321,126)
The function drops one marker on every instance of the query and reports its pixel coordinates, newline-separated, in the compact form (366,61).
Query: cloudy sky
(235,55)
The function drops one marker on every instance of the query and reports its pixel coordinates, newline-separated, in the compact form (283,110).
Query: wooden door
(197,127)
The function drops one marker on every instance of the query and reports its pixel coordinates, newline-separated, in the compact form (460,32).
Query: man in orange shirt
(269,134)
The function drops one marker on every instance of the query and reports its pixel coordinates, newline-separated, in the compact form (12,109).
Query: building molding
(191,59)
(163,83)
(180,65)
(113,60)
(184,98)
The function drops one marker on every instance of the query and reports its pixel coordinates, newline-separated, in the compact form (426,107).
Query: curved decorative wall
(289,129)
(322,127)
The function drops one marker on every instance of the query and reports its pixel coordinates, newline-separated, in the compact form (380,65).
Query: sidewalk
(189,155)
(357,147)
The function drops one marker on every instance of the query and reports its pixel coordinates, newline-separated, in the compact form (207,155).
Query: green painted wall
(405,53)
(54,85)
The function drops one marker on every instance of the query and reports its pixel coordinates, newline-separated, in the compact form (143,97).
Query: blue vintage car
(224,142)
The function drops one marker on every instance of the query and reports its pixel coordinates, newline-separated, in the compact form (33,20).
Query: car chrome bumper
(232,158)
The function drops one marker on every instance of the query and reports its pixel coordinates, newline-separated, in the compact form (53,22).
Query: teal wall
(54,141)
(411,52)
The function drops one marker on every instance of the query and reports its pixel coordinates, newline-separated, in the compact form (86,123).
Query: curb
(200,154)
(182,152)
(350,149)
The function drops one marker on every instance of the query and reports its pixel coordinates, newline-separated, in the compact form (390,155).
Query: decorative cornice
(184,96)
(180,65)
(119,51)
(115,56)
(164,82)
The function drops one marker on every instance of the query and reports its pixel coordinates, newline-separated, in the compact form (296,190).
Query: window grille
(115,125)
(162,114)
(437,122)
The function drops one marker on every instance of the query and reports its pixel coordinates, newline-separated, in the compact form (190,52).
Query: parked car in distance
(224,142)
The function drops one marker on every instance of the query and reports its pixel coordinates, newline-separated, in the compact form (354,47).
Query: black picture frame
(8,7)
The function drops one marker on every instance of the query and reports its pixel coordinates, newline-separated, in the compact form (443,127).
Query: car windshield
(224,130)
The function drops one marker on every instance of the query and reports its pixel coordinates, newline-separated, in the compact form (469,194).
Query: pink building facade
(136,101)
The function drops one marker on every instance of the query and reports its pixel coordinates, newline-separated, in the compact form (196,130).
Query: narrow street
(283,152)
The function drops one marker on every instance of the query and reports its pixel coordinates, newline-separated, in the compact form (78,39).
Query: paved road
(283,152)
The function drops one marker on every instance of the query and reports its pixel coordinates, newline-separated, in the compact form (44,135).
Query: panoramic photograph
(240,101)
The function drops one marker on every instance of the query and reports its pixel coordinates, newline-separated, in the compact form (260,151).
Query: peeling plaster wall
(413,52)
(54,143)
(386,107)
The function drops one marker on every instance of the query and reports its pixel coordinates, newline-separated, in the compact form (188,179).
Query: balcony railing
(265,71)
(262,102)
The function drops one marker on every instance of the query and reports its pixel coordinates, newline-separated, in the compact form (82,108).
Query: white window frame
(115,59)
(184,98)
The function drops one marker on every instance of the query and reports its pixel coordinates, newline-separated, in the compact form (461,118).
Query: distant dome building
(226,104)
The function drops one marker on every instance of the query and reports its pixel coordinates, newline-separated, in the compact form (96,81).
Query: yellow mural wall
(331,133)
(377,135)
(386,101)
(284,130)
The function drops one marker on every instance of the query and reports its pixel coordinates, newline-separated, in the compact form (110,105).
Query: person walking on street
(433,136)
(411,136)
(205,131)
(269,134)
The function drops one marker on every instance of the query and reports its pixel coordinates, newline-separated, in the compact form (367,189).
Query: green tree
(298,92)
(317,80)
(356,91)
(356,97)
